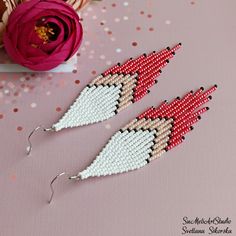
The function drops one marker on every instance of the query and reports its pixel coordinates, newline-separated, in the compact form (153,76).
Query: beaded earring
(113,91)
(147,137)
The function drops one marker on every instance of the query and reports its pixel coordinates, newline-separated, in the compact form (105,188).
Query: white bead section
(95,104)
(124,152)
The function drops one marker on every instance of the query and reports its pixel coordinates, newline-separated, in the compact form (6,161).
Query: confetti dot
(1,116)
(118,50)
(33,105)
(149,16)
(134,44)
(58,109)
(117,19)
(138,28)
(168,22)
(77,81)
(26,90)
(151,29)
(19,128)
(113,39)
(15,110)
(13,177)
(102,57)
(125,17)
(142,12)
(48,93)
(126,4)
(87,43)
(6,91)
(113,5)
(108,63)
(192,2)
(103,9)
(94,17)
(74,71)
(107,126)
(106,29)
(94,72)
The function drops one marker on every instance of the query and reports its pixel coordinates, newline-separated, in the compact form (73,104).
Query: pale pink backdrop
(195,179)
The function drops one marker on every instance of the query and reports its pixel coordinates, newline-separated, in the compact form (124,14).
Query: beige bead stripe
(157,155)
(101,80)
(113,79)
(129,124)
(124,106)
(96,79)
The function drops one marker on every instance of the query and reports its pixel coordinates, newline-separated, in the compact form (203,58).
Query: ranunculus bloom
(6,7)
(41,34)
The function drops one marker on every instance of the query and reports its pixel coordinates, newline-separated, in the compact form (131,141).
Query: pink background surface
(195,179)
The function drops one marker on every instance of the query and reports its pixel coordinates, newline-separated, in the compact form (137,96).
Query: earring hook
(30,147)
(75,177)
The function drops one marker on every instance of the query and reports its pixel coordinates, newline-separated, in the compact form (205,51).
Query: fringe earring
(113,91)
(146,138)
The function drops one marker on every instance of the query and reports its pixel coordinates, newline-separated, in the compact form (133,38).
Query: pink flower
(41,34)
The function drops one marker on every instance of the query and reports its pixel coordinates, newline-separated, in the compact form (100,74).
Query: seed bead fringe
(154,132)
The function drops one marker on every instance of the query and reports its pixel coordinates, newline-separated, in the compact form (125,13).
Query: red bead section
(148,68)
(185,112)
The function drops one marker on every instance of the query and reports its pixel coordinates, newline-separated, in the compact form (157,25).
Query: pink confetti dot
(138,28)
(1,116)
(33,105)
(168,22)
(94,72)
(141,12)
(13,177)
(19,128)
(108,126)
(113,5)
(151,29)
(58,109)
(149,16)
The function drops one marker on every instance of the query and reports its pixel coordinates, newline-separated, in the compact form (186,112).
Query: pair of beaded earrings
(145,138)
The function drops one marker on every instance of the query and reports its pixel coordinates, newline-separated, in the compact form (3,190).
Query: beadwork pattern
(116,89)
(150,135)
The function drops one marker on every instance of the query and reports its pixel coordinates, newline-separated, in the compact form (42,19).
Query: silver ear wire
(75,177)
(29,148)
